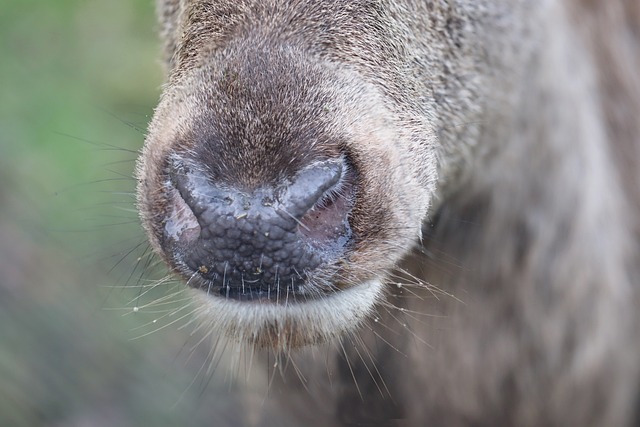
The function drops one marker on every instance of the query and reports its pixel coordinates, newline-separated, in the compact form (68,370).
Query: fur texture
(507,130)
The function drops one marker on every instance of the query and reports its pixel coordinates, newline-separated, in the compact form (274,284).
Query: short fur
(508,128)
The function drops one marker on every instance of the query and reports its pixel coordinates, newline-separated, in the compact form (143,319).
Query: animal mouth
(279,244)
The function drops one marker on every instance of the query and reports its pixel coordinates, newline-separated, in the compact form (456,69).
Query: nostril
(326,223)
(311,186)
(195,189)
(181,223)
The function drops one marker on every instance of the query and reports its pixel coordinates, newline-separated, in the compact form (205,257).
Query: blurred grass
(79,79)
(66,67)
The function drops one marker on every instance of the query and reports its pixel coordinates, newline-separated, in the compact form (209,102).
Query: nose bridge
(265,115)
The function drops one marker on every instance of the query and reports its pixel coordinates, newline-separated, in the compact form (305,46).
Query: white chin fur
(291,324)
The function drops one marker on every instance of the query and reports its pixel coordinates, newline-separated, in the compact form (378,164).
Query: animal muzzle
(270,243)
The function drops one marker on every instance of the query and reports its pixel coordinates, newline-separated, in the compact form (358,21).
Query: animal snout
(261,243)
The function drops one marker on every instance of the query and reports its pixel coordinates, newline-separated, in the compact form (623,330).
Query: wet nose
(268,240)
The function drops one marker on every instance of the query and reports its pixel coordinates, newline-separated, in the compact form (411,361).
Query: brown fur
(511,126)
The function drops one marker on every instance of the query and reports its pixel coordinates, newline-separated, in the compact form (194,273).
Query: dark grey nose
(268,240)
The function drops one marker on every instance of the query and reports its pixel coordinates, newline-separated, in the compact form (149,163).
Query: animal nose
(264,241)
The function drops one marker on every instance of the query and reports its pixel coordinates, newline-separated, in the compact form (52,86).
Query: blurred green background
(78,82)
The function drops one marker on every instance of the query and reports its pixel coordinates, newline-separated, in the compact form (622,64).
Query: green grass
(72,68)
(79,78)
